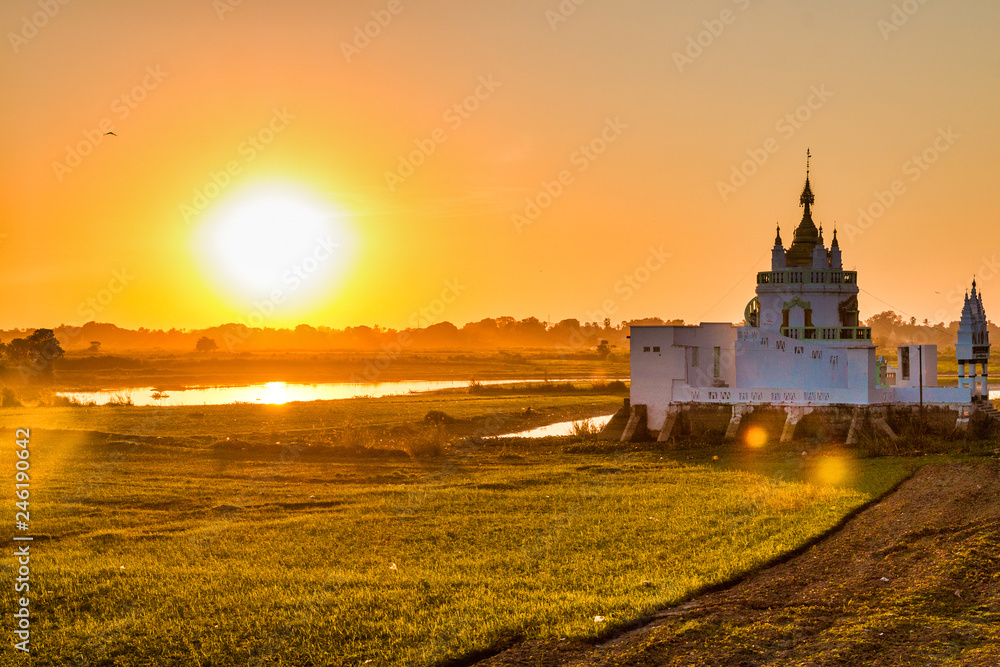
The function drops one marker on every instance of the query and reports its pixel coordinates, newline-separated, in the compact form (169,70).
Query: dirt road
(912,580)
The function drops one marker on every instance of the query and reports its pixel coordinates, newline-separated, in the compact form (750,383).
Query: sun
(279,243)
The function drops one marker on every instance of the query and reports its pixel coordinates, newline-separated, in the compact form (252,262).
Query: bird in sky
(111,133)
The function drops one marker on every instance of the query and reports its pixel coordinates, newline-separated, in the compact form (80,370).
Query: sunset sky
(272,158)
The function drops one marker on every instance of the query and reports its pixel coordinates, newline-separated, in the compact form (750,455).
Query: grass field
(482,415)
(153,554)
(241,535)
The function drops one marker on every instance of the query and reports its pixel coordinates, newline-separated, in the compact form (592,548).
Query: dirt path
(912,580)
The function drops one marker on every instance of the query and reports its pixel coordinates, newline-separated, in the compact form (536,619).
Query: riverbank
(166,372)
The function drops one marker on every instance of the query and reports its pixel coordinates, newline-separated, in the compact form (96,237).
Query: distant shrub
(431,442)
(604,385)
(437,417)
(585,429)
(120,400)
(8,399)
(425,448)
(982,427)
(58,401)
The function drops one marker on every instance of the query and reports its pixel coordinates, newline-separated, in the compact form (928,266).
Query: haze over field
(347,163)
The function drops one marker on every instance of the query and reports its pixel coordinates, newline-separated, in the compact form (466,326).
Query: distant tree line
(890,330)
(490,333)
(35,352)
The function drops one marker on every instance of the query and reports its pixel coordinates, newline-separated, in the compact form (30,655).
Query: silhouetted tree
(35,353)
(205,344)
(95,346)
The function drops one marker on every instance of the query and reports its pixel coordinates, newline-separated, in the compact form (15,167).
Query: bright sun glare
(278,243)
(275,393)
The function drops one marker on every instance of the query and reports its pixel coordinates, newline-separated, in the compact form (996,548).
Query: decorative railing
(807,277)
(827,333)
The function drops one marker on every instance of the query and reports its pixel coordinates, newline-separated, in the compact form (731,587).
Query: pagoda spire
(777,236)
(806,235)
(807,199)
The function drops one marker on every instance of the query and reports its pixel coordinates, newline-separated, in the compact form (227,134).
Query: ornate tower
(972,349)
(807,295)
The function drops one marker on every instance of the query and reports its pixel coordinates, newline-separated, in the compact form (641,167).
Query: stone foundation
(714,422)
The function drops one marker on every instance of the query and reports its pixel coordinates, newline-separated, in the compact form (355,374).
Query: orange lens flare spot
(831,471)
(755,437)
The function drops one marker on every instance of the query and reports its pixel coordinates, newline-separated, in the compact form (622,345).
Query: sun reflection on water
(275,393)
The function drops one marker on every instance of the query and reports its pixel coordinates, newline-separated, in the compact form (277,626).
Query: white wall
(932,395)
(662,357)
(765,359)
(655,364)
(930,366)
(706,337)
(824,299)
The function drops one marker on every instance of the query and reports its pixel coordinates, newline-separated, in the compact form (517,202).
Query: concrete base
(714,422)
(636,430)
(671,425)
(739,410)
(877,416)
(616,425)
(791,421)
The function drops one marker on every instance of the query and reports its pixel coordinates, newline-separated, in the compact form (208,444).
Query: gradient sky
(200,77)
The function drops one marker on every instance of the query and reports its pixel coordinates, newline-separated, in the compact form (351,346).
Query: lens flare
(831,471)
(755,437)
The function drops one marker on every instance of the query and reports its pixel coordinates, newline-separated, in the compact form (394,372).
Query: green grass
(166,555)
(504,410)
(240,536)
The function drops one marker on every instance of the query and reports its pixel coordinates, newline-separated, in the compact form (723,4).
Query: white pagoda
(972,351)
(801,345)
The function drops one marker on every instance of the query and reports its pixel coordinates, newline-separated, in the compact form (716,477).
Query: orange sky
(266,97)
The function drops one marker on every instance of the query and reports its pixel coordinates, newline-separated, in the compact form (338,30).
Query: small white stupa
(972,350)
